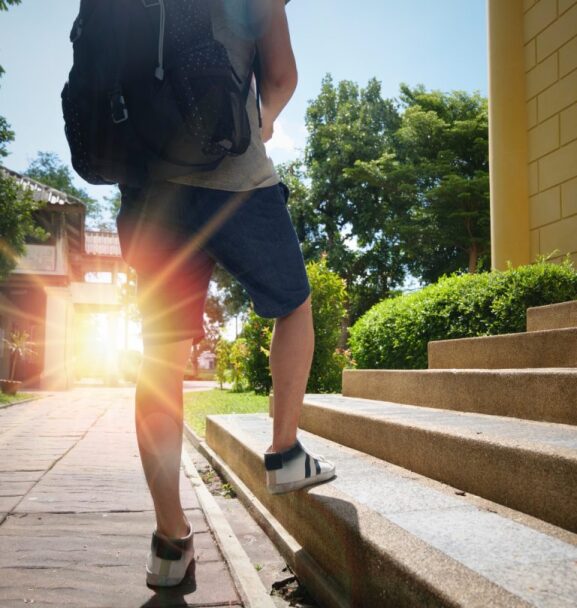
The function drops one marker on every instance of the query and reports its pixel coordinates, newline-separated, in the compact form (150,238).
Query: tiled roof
(102,243)
(41,192)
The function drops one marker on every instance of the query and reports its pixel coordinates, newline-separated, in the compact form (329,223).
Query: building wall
(550,44)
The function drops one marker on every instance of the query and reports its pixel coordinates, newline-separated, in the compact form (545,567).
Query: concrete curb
(306,569)
(246,578)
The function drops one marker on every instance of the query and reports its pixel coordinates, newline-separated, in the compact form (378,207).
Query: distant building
(48,287)
(206,360)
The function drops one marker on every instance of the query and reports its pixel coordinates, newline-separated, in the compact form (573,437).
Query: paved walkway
(75,513)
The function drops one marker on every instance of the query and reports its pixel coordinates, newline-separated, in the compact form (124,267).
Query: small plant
(238,360)
(20,348)
(228,491)
(223,364)
(258,567)
(208,476)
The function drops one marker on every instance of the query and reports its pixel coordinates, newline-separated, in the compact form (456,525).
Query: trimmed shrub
(394,333)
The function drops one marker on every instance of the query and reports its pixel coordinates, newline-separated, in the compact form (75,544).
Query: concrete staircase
(456,486)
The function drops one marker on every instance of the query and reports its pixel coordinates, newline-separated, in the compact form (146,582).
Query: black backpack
(151,95)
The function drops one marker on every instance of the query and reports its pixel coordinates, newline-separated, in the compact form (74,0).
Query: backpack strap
(257,70)
(118,107)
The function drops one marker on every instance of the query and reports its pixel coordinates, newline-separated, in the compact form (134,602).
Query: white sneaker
(169,559)
(295,468)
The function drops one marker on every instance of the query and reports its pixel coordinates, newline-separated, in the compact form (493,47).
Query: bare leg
(159,431)
(291,356)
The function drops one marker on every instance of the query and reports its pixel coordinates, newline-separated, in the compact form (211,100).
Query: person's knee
(304,309)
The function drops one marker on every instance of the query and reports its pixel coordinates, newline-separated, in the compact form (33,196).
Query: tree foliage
(392,187)
(16,206)
(48,169)
(438,167)
(17,223)
(329,296)
(352,221)
(5,4)
(328,305)
(257,336)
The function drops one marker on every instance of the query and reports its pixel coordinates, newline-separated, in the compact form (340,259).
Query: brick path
(75,513)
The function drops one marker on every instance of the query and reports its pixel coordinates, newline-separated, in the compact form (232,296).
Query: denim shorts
(173,235)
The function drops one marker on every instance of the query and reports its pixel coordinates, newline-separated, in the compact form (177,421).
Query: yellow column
(508,140)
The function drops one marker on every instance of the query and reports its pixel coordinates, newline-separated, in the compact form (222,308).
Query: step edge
(517,446)
(522,335)
(299,561)
(499,372)
(409,568)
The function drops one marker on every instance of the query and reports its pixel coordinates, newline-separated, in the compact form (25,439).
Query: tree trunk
(473,258)
(13,367)
(345,321)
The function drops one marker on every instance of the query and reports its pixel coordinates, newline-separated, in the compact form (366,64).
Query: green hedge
(394,333)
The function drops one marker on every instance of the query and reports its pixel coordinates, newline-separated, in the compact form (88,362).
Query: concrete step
(533,394)
(551,348)
(554,316)
(527,466)
(384,536)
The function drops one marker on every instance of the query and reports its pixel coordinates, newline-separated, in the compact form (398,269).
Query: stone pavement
(75,513)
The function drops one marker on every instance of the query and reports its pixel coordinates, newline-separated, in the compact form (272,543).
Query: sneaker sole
(156,580)
(282,488)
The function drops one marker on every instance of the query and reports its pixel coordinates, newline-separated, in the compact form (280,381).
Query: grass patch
(199,404)
(9,399)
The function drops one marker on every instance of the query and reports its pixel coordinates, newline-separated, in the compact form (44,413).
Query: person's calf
(291,355)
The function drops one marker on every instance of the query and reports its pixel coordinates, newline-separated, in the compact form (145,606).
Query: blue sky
(439,43)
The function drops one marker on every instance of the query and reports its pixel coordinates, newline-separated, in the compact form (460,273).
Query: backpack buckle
(118,107)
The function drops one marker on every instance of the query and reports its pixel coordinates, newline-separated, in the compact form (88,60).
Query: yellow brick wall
(550,37)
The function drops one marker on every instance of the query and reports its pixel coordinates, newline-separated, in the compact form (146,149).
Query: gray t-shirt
(253,169)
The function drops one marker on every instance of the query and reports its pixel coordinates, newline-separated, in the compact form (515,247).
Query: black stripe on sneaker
(169,549)
(308,466)
(272,461)
(317,466)
(275,460)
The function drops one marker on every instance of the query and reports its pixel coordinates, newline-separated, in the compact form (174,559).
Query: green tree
(222,351)
(437,169)
(48,169)
(6,134)
(17,223)
(329,297)
(16,206)
(235,300)
(5,4)
(238,364)
(257,335)
(353,221)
